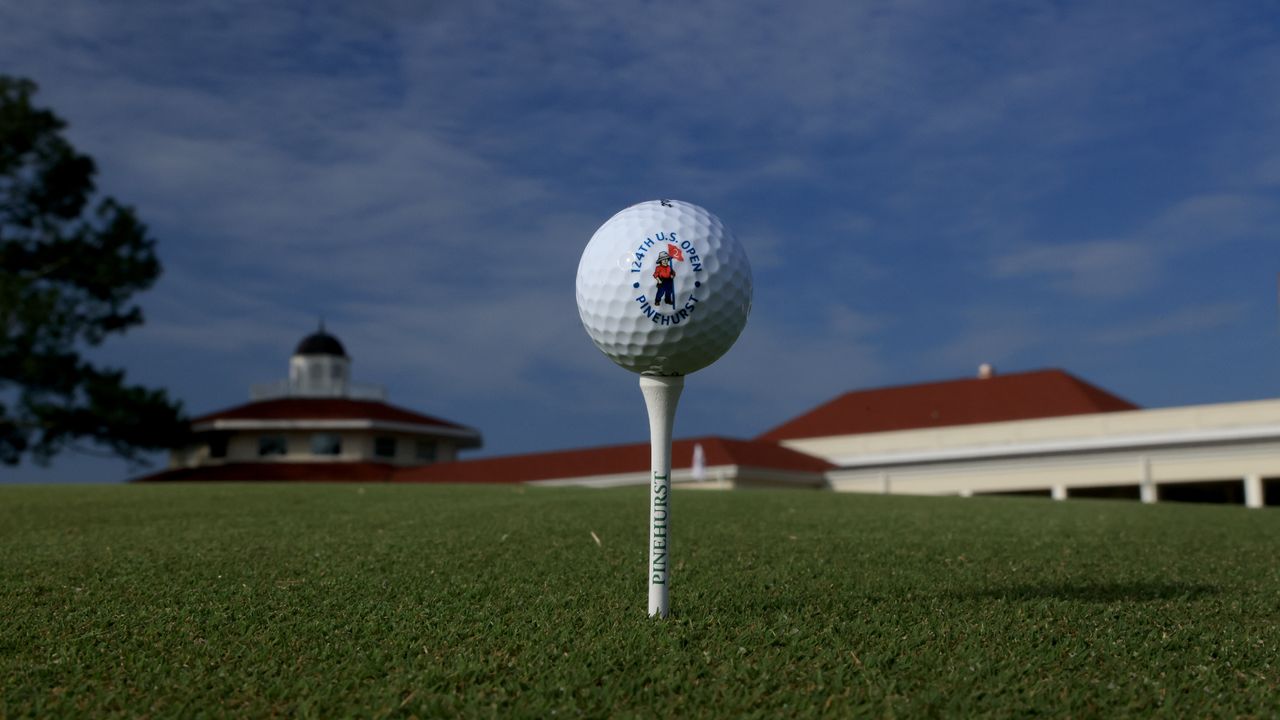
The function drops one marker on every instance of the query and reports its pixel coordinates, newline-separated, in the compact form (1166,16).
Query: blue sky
(921,187)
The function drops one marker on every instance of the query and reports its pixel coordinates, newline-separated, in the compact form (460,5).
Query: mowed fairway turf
(399,601)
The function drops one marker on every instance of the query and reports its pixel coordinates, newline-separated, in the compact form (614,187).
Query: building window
(384,446)
(269,445)
(218,446)
(425,450)
(326,444)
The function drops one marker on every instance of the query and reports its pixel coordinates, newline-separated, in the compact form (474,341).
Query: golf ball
(664,288)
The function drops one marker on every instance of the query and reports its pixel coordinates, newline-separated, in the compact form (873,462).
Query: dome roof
(320,343)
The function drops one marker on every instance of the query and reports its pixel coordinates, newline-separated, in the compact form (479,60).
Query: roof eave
(468,437)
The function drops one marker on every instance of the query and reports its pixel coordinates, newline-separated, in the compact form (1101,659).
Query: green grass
(331,600)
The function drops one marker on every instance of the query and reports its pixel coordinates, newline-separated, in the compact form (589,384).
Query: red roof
(277,472)
(613,460)
(321,408)
(1018,396)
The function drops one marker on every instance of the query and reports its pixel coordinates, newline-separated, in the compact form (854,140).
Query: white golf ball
(664,288)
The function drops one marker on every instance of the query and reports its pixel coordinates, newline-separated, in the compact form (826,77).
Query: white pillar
(1253,497)
(884,484)
(1147,487)
(1059,492)
(966,493)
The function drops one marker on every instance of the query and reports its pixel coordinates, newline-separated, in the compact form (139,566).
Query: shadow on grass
(1095,592)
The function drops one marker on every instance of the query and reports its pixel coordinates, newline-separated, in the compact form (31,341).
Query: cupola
(319,366)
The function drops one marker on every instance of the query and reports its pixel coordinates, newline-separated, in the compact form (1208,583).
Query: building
(1042,433)
(315,425)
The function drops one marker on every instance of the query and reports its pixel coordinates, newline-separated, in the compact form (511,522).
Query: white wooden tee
(660,397)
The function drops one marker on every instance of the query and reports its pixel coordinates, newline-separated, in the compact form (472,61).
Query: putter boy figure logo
(664,273)
(666,277)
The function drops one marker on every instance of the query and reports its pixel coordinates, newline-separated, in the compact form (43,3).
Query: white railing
(283,389)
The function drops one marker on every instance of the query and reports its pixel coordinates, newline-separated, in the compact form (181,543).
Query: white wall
(242,446)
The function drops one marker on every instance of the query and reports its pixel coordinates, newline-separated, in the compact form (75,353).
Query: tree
(67,273)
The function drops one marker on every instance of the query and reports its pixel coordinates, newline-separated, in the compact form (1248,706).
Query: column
(1253,497)
(1146,486)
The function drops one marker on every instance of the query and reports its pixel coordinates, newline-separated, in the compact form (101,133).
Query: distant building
(1040,433)
(315,425)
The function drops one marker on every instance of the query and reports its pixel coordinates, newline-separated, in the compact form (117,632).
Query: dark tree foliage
(67,272)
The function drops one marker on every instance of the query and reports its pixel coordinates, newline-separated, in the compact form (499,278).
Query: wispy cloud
(1121,267)
(1099,268)
(985,334)
(1182,321)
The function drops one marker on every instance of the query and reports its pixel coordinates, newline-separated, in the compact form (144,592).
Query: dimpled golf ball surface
(645,327)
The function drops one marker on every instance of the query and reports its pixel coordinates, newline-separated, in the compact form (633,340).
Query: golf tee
(660,397)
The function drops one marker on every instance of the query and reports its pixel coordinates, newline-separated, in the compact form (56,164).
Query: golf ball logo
(663,270)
